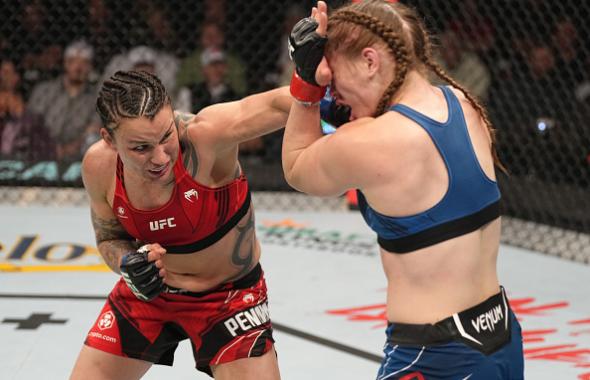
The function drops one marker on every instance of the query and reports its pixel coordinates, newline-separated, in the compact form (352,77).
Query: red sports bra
(195,217)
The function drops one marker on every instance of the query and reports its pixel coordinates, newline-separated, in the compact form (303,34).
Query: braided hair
(375,22)
(130,94)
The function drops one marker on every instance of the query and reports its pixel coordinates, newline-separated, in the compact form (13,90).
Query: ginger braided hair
(373,22)
(379,30)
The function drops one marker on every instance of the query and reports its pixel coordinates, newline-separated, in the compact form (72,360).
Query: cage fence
(528,61)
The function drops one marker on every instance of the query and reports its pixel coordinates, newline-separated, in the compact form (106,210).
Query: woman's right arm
(112,240)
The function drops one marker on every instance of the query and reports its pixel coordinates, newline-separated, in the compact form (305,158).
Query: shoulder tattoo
(182,119)
(190,158)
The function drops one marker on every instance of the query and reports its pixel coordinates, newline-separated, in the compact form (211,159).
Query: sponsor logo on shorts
(106,320)
(247,319)
(107,338)
(248,298)
(488,320)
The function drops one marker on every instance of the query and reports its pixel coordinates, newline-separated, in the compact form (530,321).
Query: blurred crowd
(527,61)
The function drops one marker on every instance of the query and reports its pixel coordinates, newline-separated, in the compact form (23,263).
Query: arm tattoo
(245,241)
(112,251)
(112,240)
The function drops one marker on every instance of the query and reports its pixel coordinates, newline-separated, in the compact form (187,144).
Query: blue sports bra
(471,201)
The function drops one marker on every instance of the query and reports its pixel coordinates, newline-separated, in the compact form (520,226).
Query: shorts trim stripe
(384,368)
(254,343)
(407,367)
(505,308)
(231,294)
(227,348)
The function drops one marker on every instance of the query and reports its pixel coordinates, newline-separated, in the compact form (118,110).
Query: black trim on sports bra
(442,232)
(215,236)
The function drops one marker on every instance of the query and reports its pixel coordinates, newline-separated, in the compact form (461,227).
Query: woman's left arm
(325,165)
(231,123)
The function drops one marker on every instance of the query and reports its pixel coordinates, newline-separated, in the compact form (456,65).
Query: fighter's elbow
(290,176)
(293,178)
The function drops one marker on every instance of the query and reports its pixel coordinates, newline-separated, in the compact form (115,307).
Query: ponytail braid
(425,55)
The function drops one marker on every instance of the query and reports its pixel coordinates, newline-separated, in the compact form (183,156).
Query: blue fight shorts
(481,343)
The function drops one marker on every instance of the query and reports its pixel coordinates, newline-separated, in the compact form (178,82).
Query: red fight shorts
(224,324)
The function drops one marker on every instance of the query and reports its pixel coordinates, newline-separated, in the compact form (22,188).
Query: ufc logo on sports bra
(156,225)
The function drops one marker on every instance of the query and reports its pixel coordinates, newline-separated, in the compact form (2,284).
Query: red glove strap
(305,92)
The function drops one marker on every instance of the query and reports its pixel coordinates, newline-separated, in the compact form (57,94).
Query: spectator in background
(66,103)
(164,64)
(524,91)
(22,134)
(9,76)
(285,65)
(216,10)
(271,144)
(33,42)
(212,37)
(530,93)
(542,66)
(102,32)
(147,66)
(570,58)
(158,29)
(463,65)
(536,114)
(476,30)
(215,86)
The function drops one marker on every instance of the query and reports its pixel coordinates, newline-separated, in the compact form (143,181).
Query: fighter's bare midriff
(228,259)
(429,285)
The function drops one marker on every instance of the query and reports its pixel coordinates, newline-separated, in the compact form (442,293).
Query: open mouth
(159,171)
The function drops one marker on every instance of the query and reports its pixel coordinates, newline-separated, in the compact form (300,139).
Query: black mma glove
(306,49)
(333,113)
(141,276)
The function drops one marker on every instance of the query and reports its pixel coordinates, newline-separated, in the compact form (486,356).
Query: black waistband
(215,236)
(442,232)
(485,327)
(250,279)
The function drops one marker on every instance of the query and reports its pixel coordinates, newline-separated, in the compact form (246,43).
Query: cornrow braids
(425,55)
(130,94)
(394,41)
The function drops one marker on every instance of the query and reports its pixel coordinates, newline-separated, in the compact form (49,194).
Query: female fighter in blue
(422,158)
